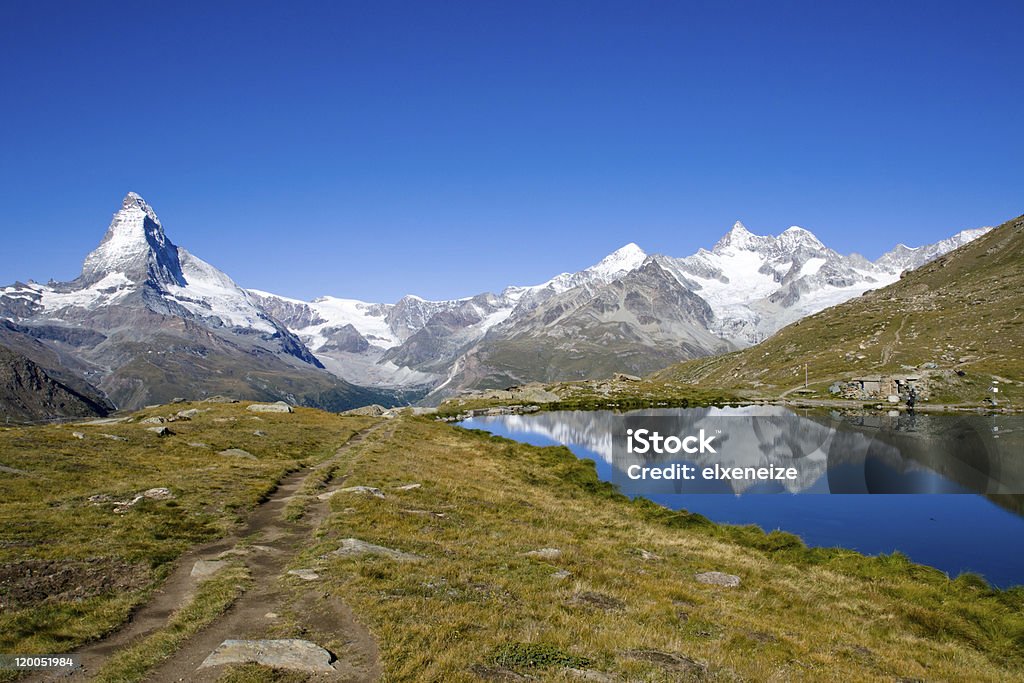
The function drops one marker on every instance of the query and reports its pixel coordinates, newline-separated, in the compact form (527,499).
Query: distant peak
(134,201)
(794,235)
(738,237)
(622,260)
(135,245)
(631,250)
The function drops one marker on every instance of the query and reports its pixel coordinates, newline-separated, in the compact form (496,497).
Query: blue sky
(374,149)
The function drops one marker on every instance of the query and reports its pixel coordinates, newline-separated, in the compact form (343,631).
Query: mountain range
(955,324)
(147,321)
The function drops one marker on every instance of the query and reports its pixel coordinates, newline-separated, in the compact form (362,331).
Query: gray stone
(113,437)
(237,453)
(198,444)
(363,490)
(408,487)
(155,420)
(288,653)
(545,553)
(188,414)
(374,410)
(259,432)
(160,431)
(78,435)
(718,579)
(204,569)
(279,407)
(562,575)
(304,574)
(220,399)
(351,547)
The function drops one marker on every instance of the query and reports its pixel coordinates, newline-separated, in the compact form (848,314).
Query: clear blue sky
(370,149)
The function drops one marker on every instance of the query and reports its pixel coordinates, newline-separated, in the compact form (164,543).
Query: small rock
(160,431)
(279,407)
(353,546)
(113,437)
(220,399)
(289,653)
(237,453)
(364,490)
(648,556)
(718,579)
(188,414)
(158,493)
(668,661)
(304,574)
(259,432)
(545,553)
(408,487)
(562,575)
(374,410)
(591,675)
(198,444)
(270,615)
(623,377)
(78,435)
(204,569)
(155,420)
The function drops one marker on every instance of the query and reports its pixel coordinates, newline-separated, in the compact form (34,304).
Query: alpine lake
(945,490)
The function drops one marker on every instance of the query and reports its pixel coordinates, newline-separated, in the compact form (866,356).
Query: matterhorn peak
(134,245)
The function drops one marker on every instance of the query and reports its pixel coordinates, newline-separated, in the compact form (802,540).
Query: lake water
(955,466)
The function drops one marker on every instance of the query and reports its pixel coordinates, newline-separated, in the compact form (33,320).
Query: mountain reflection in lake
(931,455)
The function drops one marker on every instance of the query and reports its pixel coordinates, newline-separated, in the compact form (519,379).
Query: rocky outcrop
(28,393)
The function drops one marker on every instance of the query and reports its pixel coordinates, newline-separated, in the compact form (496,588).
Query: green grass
(477,603)
(46,515)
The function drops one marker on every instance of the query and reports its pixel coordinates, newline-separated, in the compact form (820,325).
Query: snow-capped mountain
(629,312)
(758,284)
(147,320)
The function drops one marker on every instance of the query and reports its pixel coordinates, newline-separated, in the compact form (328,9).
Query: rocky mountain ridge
(147,319)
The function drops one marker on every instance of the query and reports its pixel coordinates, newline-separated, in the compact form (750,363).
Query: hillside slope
(28,393)
(957,324)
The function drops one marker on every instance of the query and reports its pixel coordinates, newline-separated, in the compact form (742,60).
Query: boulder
(160,431)
(279,407)
(304,574)
(288,653)
(718,579)
(623,377)
(351,547)
(374,410)
(204,569)
(236,453)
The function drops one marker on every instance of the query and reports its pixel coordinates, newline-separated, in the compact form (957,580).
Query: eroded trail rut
(271,543)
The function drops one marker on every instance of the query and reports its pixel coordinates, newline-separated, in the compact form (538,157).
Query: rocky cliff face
(29,394)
